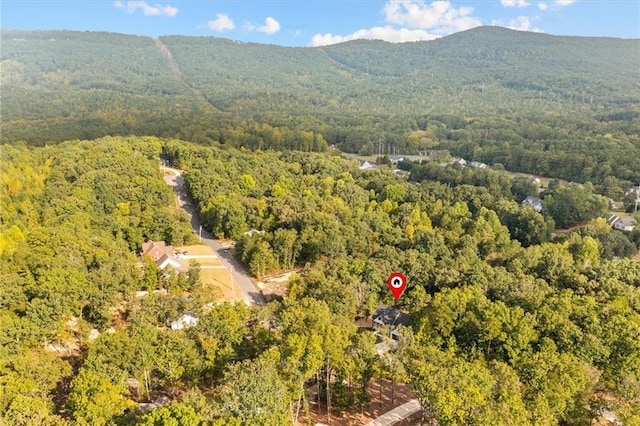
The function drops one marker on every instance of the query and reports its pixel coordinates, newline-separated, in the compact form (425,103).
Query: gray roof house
(626,224)
(534,202)
(392,318)
(389,316)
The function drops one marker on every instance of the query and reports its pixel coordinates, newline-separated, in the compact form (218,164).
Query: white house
(185,321)
(365,165)
(633,190)
(478,165)
(165,261)
(395,159)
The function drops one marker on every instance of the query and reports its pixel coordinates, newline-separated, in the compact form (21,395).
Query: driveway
(399,413)
(238,272)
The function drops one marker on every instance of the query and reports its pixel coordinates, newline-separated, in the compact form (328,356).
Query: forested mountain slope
(485,68)
(62,84)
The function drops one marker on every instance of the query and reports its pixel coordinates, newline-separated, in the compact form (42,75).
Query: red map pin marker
(396,282)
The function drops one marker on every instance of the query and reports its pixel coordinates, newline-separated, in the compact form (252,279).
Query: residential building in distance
(458,160)
(478,165)
(395,159)
(157,249)
(389,316)
(624,224)
(533,202)
(185,321)
(366,165)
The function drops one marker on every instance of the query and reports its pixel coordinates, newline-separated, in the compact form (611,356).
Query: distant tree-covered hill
(478,70)
(477,93)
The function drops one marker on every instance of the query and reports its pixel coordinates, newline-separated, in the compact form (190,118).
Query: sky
(322,22)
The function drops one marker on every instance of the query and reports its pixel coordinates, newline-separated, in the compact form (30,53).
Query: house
(167,260)
(478,165)
(157,249)
(148,406)
(386,346)
(395,159)
(400,173)
(458,160)
(185,321)
(365,165)
(391,317)
(634,190)
(615,205)
(534,202)
(626,224)
(162,254)
(251,232)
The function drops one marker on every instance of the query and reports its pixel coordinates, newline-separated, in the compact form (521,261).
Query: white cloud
(147,9)
(564,2)
(441,17)
(221,23)
(514,3)
(386,33)
(271,26)
(521,23)
(543,6)
(417,21)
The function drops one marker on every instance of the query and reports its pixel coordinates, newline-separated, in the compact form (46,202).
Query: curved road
(240,277)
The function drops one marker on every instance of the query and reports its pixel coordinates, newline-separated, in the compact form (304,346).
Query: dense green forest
(511,321)
(508,326)
(530,102)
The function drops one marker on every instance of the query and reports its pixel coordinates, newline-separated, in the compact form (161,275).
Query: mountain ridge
(56,80)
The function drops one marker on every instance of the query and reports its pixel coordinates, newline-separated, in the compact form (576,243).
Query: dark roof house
(534,202)
(391,317)
(386,315)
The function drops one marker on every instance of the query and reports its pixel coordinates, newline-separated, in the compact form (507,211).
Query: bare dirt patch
(275,285)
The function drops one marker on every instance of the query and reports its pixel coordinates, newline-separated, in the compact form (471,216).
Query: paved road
(399,413)
(240,277)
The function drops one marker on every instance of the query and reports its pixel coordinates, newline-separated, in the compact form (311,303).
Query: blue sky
(315,22)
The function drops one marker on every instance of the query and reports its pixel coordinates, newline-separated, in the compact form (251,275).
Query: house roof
(625,222)
(364,165)
(156,249)
(531,201)
(166,260)
(185,321)
(390,316)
